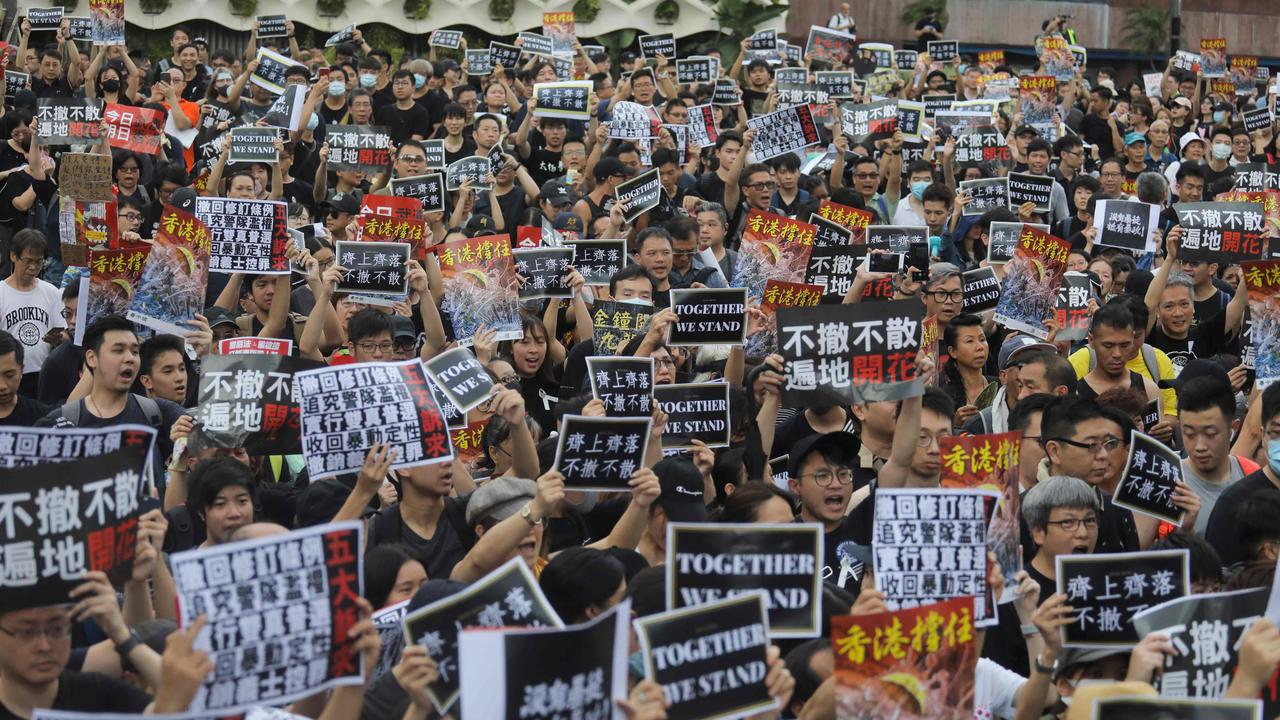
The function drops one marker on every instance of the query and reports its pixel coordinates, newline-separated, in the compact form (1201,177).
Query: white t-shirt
(995,690)
(29,316)
(907,215)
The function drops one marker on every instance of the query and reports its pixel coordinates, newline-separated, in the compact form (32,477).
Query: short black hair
(650,232)
(788,161)
(213,475)
(681,227)
(1113,315)
(28,239)
(152,348)
(952,332)
(1064,414)
(366,324)
(454,110)
(1270,402)
(97,332)
(579,578)
(1203,393)
(1088,182)
(631,272)
(1256,520)
(1039,144)
(938,192)
(1189,169)
(939,402)
(10,344)
(1064,143)
(1020,415)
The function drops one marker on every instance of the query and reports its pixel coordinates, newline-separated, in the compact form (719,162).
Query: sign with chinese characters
(711,659)
(977,137)
(254,346)
(1150,475)
(590,669)
(850,353)
(346,34)
(390,624)
(614,324)
(943,50)
(348,408)
(1262,277)
(358,148)
(171,290)
(837,84)
(870,120)
(1031,282)
(474,169)
(651,46)
(113,275)
(1126,224)
(708,316)
(831,46)
(462,377)
(134,128)
(271,69)
(284,114)
(598,260)
(601,453)
(570,100)
(1003,240)
(247,401)
(783,131)
(701,127)
(86,176)
(503,54)
(981,289)
(544,271)
(623,384)
(695,411)
(1108,590)
(985,194)
(1073,306)
(451,39)
(773,247)
(697,70)
(247,236)
(931,545)
(1026,188)
(1227,233)
(480,287)
(1213,58)
(896,238)
(990,462)
(833,266)
(279,610)
(427,188)
(1126,708)
(506,597)
(639,194)
(712,562)
(67,121)
(885,662)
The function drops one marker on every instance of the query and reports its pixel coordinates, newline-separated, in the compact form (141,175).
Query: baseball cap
(842,445)
(218,316)
(1016,345)
(568,222)
(1133,136)
(682,496)
(499,499)
(1188,138)
(1182,100)
(555,192)
(343,203)
(1197,368)
(447,64)
(402,327)
(610,166)
(479,223)
(1025,130)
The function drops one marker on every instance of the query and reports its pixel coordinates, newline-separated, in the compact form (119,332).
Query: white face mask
(1077,685)
(638,301)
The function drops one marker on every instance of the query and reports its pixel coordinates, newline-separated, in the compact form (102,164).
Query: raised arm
(906,434)
(500,541)
(732,189)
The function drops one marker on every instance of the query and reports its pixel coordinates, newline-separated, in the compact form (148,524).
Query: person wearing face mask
(404,118)
(369,73)
(919,178)
(109,81)
(334,107)
(1224,531)
(1219,174)
(218,107)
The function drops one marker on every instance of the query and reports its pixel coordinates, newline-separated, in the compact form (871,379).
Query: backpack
(71,411)
(1148,359)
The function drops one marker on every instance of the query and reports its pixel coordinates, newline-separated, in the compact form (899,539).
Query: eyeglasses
(509,379)
(925,439)
(1108,444)
(684,253)
(336,213)
(67,314)
(28,636)
(370,347)
(1070,525)
(131,216)
(406,345)
(1111,175)
(824,478)
(866,176)
(762,186)
(413,158)
(665,362)
(947,296)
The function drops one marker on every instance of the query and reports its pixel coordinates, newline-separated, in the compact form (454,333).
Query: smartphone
(322,73)
(918,258)
(884,263)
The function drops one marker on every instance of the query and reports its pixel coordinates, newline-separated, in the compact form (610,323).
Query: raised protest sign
(479,62)
(773,247)
(1003,240)
(601,453)
(462,378)
(171,290)
(286,112)
(862,122)
(346,34)
(1213,57)
(943,50)
(1262,277)
(390,624)
(374,268)
(503,54)
(1024,188)
(247,401)
(639,194)
(506,597)
(853,218)
(885,661)
(67,121)
(1257,119)
(696,70)
(990,462)
(712,562)
(880,55)
(544,271)
(977,137)
(766,39)
(250,591)
(614,324)
(450,39)
(695,411)
(559,26)
(349,408)
(248,236)
(535,44)
(1151,474)
(935,103)
(783,131)
(931,545)
(1253,177)
(85,176)
(896,238)
(981,289)
(499,681)
(272,26)
(833,266)
(570,100)
(106,22)
(910,119)
(1206,631)
(1227,233)
(44,18)
(726,92)
(475,169)
(1072,308)
(429,189)
(358,148)
(701,128)
(985,194)
(1126,224)
(134,128)
(837,84)
(631,121)
(1107,590)
(1176,708)
(651,46)
(435,154)
(597,260)
(271,69)
(254,346)
(711,660)
(1031,282)
(26,446)
(851,353)
(15,81)
(623,384)
(708,316)
(831,46)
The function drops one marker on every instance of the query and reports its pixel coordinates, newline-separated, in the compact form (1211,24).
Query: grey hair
(1181,278)
(1059,491)
(1152,187)
(940,272)
(716,208)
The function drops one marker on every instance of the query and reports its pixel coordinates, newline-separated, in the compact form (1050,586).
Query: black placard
(639,194)
(1025,188)
(985,194)
(374,268)
(544,271)
(359,148)
(536,44)
(508,56)
(601,453)
(711,562)
(475,169)
(1226,233)
(1151,474)
(708,316)
(906,59)
(271,26)
(598,260)
(563,99)
(943,50)
(895,238)
(695,70)
(1125,224)
(1003,239)
(479,62)
(911,117)
(834,267)
(80,28)
(937,103)
(695,411)
(1257,119)
(836,84)
(451,39)
(763,40)
(1151,414)
(462,377)
(651,46)
(253,145)
(67,121)
(435,152)
(44,18)
(725,92)
(250,236)
(346,34)
(427,188)
(1170,708)
(687,651)
(506,597)
(263,421)
(1106,590)
(875,119)
(981,289)
(15,81)
(829,233)
(623,384)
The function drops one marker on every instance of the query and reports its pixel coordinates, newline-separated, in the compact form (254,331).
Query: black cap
(682,498)
(402,327)
(343,202)
(184,198)
(1197,368)
(610,166)
(842,445)
(219,316)
(434,591)
(1025,129)
(568,222)
(447,64)
(479,223)
(556,193)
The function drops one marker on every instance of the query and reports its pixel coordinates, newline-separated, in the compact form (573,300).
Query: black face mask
(111,85)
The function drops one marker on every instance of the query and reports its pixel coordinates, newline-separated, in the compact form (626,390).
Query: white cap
(1188,138)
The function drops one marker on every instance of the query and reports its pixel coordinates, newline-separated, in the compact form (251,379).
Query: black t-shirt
(59,88)
(1095,130)
(797,428)
(329,116)
(543,164)
(467,149)
(1204,340)
(844,559)
(403,124)
(92,692)
(753,101)
(131,415)
(540,399)
(1207,309)
(440,553)
(1216,181)
(60,374)
(1223,530)
(26,413)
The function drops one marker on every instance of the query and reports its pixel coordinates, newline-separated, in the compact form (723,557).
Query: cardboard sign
(44,18)
(831,46)
(783,131)
(247,398)
(1031,282)
(335,439)
(623,384)
(1107,590)
(68,121)
(614,324)
(375,268)
(726,92)
(253,145)
(1126,224)
(598,260)
(254,346)
(696,70)
(249,236)
(986,194)
(106,22)
(1151,473)
(569,100)
(695,411)
(981,289)
(478,62)
(358,148)
(1024,188)
(248,587)
(86,176)
(1073,306)
(429,189)
(480,287)
(708,316)
(475,169)
(1120,708)
(639,194)
(346,34)
(732,638)
(462,378)
(943,50)
(709,562)
(595,453)
(544,271)
(271,26)
(651,46)
(1227,233)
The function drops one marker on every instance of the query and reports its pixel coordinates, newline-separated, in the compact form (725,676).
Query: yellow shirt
(1164,366)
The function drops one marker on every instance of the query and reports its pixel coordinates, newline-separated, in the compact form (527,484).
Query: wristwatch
(1040,668)
(526,513)
(123,649)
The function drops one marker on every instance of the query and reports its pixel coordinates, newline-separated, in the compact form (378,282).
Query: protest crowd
(830,379)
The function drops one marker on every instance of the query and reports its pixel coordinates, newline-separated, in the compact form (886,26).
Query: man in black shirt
(404,118)
(819,473)
(1224,531)
(541,149)
(1094,127)
(1062,513)
(15,409)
